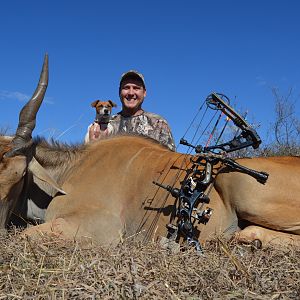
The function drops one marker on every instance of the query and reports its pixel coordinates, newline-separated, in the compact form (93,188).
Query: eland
(104,191)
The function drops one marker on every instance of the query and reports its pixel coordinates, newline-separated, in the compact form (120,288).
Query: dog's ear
(112,103)
(94,104)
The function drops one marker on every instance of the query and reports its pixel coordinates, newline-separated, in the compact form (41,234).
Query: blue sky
(185,49)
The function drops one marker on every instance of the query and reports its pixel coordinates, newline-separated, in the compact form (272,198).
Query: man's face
(132,94)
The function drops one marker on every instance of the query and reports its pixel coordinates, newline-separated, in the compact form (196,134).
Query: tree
(286,128)
(287,125)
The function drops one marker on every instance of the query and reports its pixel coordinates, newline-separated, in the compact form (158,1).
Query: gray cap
(133,74)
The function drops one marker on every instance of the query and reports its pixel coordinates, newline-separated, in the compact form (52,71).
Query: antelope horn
(27,116)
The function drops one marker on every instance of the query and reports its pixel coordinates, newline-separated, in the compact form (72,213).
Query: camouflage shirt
(147,124)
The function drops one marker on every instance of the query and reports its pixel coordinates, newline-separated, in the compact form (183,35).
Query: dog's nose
(106,111)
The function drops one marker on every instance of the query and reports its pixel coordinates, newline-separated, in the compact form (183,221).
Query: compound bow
(199,176)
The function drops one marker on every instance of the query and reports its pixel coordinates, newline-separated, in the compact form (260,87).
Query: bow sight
(192,195)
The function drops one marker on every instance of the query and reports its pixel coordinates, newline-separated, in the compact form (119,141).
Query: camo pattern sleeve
(147,124)
(160,130)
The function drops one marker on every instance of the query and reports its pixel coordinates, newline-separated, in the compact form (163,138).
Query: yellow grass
(54,269)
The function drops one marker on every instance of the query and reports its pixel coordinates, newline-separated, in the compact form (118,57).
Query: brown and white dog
(100,127)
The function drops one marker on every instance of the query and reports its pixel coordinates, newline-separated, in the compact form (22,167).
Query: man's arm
(165,136)
(93,133)
(161,130)
(87,135)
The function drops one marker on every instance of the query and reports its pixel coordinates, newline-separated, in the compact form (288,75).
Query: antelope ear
(93,104)
(113,104)
(42,174)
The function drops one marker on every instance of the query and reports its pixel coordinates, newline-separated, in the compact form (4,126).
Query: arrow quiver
(193,194)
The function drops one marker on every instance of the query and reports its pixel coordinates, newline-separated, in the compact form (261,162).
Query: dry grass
(53,269)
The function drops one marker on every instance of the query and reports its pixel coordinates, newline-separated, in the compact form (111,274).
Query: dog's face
(103,110)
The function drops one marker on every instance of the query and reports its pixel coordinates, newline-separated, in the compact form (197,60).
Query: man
(133,119)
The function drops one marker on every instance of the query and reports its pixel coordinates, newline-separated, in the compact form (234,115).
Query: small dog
(100,127)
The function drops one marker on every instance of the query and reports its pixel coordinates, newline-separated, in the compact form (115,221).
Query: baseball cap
(133,74)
